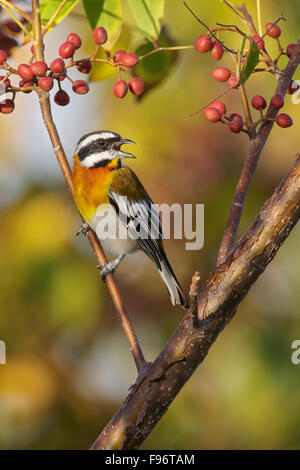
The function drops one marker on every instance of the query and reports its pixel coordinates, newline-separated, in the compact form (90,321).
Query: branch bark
(218,300)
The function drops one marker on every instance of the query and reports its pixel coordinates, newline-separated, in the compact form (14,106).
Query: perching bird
(104,186)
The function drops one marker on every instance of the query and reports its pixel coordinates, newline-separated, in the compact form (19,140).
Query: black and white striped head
(99,148)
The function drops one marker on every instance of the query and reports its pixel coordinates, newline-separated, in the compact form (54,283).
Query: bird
(104,186)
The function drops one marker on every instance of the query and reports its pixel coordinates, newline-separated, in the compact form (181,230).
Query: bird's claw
(83,229)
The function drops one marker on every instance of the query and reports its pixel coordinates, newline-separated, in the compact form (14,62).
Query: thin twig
(218,300)
(206,27)
(62,160)
(214,99)
(171,48)
(259,17)
(233,9)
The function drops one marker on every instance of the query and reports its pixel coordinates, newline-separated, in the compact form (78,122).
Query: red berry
(290,49)
(67,50)
(221,74)
(3,57)
(218,105)
(120,88)
(284,120)
(25,72)
(203,43)
(217,51)
(277,101)
(46,83)
(293,86)
(118,55)
(273,31)
(233,81)
(258,102)
(7,106)
(74,39)
(39,68)
(128,59)
(80,87)
(26,83)
(213,114)
(6,82)
(259,41)
(84,67)
(61,98)
(100,35)
(57,66)
(136,86)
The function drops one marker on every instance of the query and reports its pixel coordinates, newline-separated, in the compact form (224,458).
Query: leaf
(251,61)
(155,68)
(106,13)
(101,71)
(149,16)
(49,7)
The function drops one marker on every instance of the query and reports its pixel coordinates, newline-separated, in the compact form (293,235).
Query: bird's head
(102,149)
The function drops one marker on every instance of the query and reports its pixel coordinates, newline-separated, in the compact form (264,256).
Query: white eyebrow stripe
(95,158)
(91,138)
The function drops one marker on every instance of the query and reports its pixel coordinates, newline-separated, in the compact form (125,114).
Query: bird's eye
(101,142)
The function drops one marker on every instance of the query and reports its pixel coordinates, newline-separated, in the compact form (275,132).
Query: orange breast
(90,187)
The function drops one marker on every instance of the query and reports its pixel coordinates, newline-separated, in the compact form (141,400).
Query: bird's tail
(169,278)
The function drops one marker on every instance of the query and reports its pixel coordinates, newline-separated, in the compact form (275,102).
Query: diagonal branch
(217,303)
(257,144)
(65,168)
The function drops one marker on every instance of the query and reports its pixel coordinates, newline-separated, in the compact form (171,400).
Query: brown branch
(257,144)
(218,300)
(65,168)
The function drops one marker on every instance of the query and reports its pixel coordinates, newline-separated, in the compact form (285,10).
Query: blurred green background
(68,365)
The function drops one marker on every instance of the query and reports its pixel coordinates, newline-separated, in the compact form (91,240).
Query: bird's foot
(83,229)
(109,267)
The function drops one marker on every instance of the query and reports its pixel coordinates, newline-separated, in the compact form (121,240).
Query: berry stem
(246,107)
(206,27)
(66,170)
(16,9)
(259,17)
(5,77)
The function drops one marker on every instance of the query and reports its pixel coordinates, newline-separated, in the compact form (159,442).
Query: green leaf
(106,13)
(155,68)
(149,16)
(49,7)
(251,61)
(102,71)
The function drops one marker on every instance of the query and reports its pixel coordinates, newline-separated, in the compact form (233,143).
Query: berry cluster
(40,75)
(216,110)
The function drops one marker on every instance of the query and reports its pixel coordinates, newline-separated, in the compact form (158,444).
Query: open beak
(122,154)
